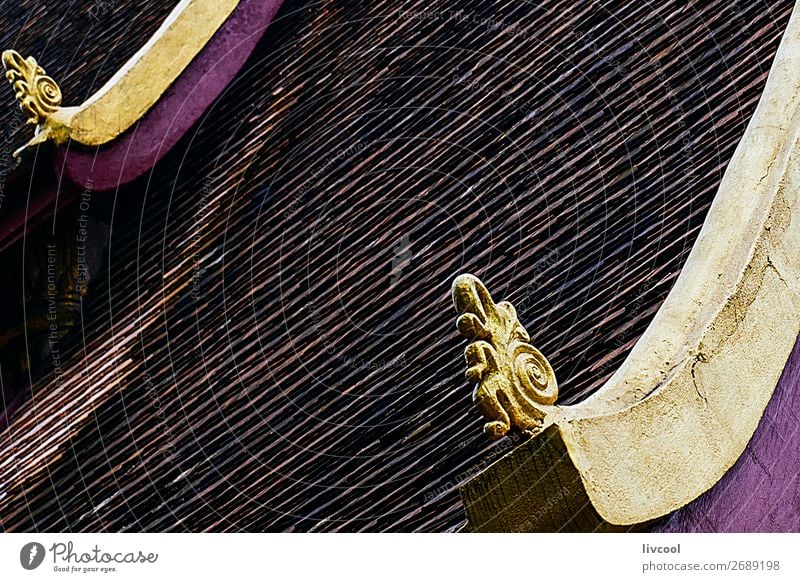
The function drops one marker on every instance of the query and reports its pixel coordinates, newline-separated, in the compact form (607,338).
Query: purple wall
(761,492)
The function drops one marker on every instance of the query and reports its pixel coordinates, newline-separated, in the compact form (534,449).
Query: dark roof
(310,377)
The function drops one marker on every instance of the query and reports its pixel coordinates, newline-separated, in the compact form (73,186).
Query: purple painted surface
(204,80)
(761,492)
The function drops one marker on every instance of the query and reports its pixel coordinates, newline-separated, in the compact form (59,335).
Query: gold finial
(515,385)
(38,94)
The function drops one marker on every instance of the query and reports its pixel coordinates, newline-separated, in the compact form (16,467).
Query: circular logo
(31,555)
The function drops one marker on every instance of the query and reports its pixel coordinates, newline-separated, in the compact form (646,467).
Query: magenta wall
(761,492)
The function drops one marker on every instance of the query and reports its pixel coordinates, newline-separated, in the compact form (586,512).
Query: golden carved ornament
(131,92)
(683,406)
(38,95)
(515,384)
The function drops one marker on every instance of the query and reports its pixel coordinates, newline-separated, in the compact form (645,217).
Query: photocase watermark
(53,333)
(31,555)
(7,160)
(462,16)
(318,172)
(687,148)
(81,238)
(501,448)
(401,260)
(67,559)
(526,107)
(590,41)
(351,362)
(100,8)
(632,309)
(532,289)
(169,450)
(198,270)
(543,511)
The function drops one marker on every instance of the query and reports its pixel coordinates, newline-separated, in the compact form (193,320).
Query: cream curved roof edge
(131,92)
(681,409)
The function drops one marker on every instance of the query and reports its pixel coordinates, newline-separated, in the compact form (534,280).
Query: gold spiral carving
(515,386)
(535,375)
(39,95)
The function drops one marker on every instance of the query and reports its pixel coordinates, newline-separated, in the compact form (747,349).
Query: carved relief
(39,95)
(515,384)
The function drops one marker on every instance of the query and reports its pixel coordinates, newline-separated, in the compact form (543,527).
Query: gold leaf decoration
(39,95)
(515,384)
